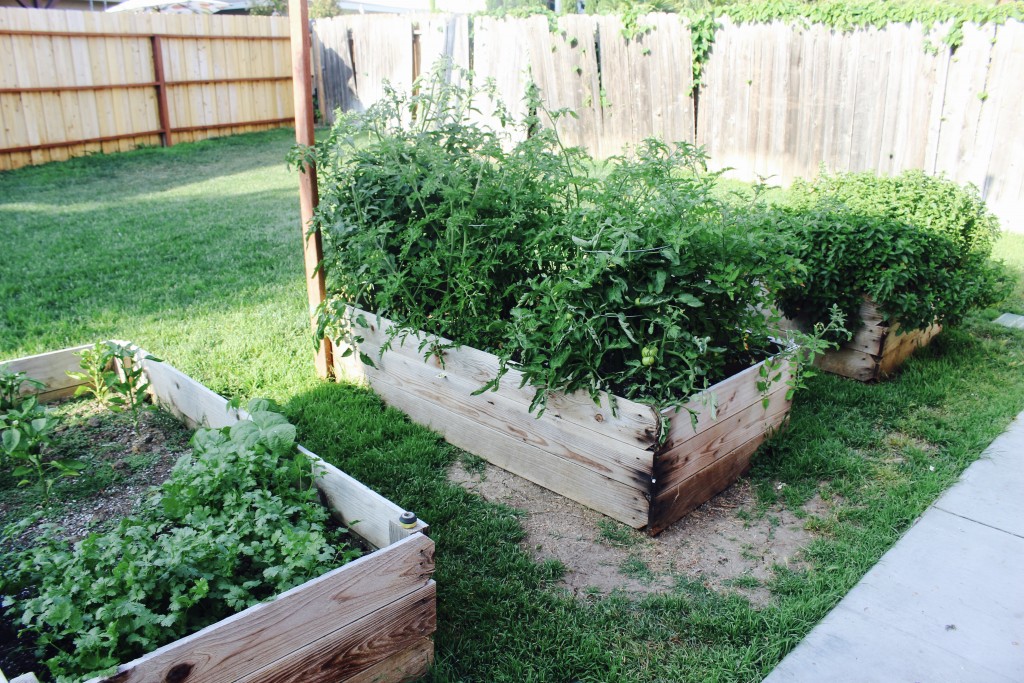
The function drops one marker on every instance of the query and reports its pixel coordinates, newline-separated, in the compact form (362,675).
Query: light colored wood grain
(51,369)
(672,503)
(508,452)
(631,423)
(898,347)
(549,432)
(357,506)
(849,363)
(359,645)
(1000,126)
(729,433)
(731,396)
(250,640)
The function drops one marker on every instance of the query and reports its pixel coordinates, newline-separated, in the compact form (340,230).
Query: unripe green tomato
(648,361)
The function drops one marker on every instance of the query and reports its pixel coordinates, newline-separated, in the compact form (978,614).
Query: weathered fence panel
(621,90)
(981,125)
(73,83)
(355,54)
(782,100)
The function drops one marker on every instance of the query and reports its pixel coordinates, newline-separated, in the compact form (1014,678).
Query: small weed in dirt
(616,535)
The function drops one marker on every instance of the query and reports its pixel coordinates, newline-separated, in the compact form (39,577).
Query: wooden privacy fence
(72,83)
(778,100)
(781,100)
(621,90)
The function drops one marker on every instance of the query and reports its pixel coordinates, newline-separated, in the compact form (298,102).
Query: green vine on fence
(841,15)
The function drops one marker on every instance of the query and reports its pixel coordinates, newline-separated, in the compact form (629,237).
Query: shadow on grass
(148,169)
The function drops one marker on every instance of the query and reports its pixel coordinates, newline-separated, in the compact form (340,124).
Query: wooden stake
(302,88)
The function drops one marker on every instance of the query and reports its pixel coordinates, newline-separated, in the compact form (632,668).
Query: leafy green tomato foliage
(236,523)
(530,250)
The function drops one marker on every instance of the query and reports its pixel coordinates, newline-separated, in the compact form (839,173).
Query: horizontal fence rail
(74,83)
(776,100)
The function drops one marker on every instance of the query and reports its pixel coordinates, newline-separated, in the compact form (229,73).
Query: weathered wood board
(609,460)
(876,351)
(370,620)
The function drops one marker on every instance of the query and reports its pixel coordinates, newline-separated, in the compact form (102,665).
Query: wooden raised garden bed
(369,620)
(877,350)
(612,463)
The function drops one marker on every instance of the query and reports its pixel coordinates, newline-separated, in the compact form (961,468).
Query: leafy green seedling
(11,383)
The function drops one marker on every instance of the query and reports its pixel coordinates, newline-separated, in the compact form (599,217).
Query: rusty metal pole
(312,245)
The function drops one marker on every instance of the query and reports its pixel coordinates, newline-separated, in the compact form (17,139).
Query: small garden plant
(237,522)
(26,430)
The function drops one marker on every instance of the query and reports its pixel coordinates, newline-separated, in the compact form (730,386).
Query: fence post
(161,90)
(312,244)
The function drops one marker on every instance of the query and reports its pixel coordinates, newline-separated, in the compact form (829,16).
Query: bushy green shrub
(917,245)
(933,203)
(237,522)
(630,278)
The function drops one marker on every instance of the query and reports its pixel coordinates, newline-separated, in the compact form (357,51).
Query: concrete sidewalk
(946,603)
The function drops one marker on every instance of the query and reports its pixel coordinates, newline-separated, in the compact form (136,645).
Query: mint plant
(237,522)
(918,246)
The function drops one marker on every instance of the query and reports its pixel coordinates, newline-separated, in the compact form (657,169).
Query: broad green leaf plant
(237,522)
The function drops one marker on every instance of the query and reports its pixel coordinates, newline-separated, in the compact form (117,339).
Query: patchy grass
(194,252)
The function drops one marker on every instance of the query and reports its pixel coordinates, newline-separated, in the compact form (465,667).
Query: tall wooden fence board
(981,129)
(74,83)
(782,101)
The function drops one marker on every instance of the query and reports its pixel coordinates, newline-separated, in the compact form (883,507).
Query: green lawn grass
(194,253)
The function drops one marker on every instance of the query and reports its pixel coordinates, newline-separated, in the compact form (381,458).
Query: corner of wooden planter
(369,620)
(877,349)
(700,460)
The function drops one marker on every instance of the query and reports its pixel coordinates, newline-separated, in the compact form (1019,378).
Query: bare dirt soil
(728,544)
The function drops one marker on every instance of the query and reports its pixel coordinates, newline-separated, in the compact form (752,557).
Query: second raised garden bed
(613,462)
(369,620)
(876,350)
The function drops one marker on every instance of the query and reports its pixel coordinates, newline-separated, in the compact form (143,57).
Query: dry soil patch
(726,544)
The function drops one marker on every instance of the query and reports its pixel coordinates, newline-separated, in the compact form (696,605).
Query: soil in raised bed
(122,465)
(729,544)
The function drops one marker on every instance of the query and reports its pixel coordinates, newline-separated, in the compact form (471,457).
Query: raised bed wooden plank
(564,438)
(732,431)
(52,370)
(632,423)
(367,513)
(672,503)
(570,479)
(261,635)
(359,645)
(185,398)
(566,450)
(898,347)
(731,395)
(407,665)
(849,363)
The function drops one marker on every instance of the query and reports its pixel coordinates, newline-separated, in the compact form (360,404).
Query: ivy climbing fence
(777,100)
